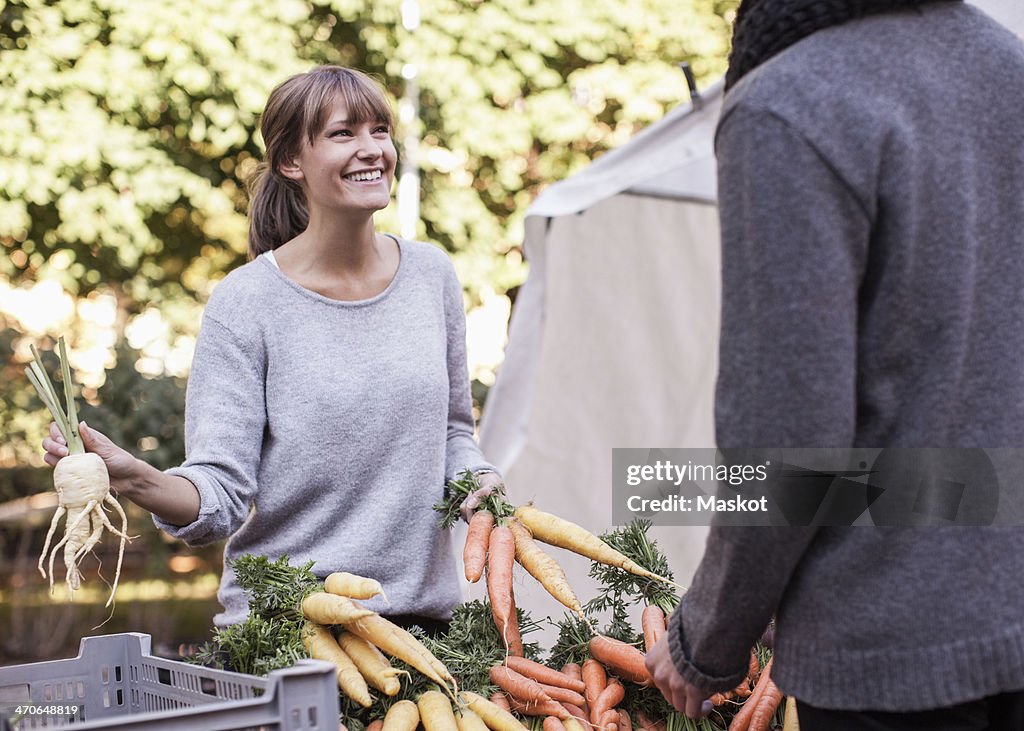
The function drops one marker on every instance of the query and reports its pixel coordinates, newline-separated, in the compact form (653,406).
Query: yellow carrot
(352,586)
(496,718)
(396,642)
(403,716)
(321,645)
(791,721)
(559,532)
(324,608)
(371,663)
(436,712)
(543,568)
(468,720)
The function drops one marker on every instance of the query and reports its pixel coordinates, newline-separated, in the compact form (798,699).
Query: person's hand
(683,696)
(120,464)
(489,482)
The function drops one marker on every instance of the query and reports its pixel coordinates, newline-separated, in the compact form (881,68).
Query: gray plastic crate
(116,683)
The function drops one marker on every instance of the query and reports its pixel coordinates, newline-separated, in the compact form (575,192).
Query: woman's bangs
(363,101)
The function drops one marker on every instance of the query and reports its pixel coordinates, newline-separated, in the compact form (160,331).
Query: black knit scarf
(766,27)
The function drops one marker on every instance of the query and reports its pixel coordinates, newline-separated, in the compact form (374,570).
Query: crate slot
(15,693)
(311,710)
(208,686)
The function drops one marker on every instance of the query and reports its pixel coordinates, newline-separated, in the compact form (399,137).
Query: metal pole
(408,117)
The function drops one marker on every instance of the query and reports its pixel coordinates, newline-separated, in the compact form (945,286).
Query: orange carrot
(644,721)
(719,698)
(577,712)
(740,691)
(653,623)
(474,555)
(754,671)
(609,720)
(501,700)
(551,723)
(625,660)
(563,695)
(766,707)
(625,722)
(375,725)
(575,672)
(538,708)
(501,554)
(594,678)
(649,724)
(544,674)
(609,698)
(741,721)
(518,686)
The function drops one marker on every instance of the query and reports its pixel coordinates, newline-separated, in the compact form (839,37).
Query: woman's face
(348,166)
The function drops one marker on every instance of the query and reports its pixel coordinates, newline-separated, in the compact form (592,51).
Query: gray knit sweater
(872,204)
(325,430)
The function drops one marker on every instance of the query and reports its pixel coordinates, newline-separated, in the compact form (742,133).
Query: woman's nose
(369,147)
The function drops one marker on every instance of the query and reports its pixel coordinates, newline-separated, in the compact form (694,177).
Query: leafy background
(129,129)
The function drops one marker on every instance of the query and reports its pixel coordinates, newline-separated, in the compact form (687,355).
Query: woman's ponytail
(277,210)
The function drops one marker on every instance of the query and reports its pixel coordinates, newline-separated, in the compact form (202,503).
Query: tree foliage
(130,126)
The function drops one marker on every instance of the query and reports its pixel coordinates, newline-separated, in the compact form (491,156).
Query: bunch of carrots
(500,535)
(481,675)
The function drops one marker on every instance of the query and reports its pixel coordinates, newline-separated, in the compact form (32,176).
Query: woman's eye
(384,129)
(341,132)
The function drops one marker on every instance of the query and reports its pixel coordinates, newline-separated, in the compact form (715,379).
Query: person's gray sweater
(325,430)
(871,184)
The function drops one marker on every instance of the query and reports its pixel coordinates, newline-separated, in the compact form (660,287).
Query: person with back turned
(871,194)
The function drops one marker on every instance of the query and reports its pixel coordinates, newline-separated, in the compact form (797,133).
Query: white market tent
(613,341)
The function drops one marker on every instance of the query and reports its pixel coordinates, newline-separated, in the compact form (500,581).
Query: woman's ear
(290,169)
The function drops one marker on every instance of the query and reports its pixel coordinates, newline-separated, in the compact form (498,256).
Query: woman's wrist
(171,498)
(134,481)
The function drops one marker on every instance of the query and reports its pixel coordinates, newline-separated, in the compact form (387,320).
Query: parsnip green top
(326,429)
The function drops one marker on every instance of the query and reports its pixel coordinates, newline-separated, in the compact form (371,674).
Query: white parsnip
(81,482)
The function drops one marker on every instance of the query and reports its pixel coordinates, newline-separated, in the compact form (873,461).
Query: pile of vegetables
(483,673)
(81,482)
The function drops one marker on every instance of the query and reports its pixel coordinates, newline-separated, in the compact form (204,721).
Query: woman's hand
(489,482)
(121,465)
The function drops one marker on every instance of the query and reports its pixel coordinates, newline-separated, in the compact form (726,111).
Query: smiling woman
(329,395)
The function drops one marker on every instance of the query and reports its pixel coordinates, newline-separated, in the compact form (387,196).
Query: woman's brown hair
(296,107)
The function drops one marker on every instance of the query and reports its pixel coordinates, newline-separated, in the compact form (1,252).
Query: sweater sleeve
(794,241)
(462,451)
(225,419)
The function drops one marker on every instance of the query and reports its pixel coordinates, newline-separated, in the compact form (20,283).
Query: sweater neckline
(402,256)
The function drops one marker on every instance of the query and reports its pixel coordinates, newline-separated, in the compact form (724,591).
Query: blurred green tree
(130,126)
